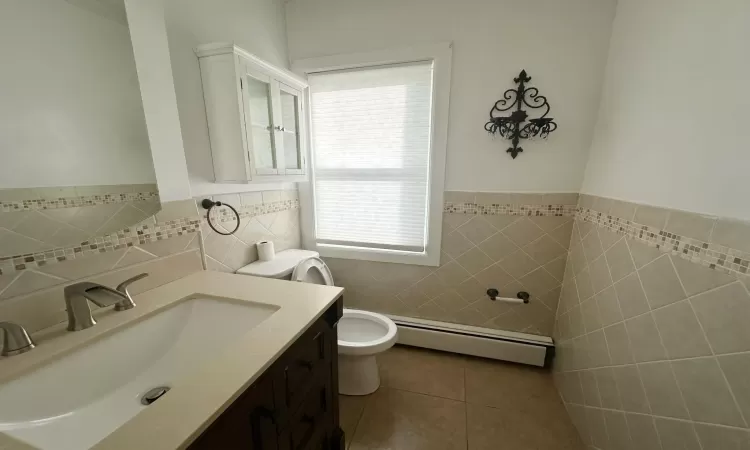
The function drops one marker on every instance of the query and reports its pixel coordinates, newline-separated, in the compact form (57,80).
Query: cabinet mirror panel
(76,160)
(290,107)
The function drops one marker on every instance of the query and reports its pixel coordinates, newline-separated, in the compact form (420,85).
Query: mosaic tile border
(259,209)
(713,256)
(72,202)
(511,210)
(142,234)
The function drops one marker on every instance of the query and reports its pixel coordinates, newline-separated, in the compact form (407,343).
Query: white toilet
(362,334)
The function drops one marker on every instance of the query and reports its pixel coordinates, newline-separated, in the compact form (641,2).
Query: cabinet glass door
(291,112)
(259,122)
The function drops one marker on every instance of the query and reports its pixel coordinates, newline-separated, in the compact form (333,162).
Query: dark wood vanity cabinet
(294,404)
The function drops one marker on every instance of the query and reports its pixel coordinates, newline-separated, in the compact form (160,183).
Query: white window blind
(371,143)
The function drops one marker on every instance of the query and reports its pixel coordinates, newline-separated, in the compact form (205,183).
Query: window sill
(379,255)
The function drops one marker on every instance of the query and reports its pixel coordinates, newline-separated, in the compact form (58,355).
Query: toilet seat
(365,333)
(313,270)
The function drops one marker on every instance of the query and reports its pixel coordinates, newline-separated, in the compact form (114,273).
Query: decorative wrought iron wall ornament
(515,126)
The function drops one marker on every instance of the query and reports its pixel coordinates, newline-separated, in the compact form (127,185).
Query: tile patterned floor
(441,401)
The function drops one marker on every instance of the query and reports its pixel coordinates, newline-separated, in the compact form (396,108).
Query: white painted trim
(502,345)
(441,56)
(227,47)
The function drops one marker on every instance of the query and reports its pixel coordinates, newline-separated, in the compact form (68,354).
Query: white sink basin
(74,402)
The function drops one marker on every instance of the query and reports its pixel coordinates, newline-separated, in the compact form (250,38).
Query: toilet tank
(281,266)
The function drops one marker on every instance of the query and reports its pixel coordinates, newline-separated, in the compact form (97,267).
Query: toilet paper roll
(266,251)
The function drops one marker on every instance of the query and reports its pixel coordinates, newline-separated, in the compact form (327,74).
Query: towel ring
(208,204)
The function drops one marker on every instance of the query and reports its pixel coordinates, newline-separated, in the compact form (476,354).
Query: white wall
(70,106)
(151,50)
(255,25)
(562,44)
(674,125)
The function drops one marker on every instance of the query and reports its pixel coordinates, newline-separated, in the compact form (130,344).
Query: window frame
(440,55)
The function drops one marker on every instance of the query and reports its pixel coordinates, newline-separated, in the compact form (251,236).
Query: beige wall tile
(518,264)
(706,393)
(697,278)
(455,244)
(562,234)
(592,246)
(736,369)
(617,430)
(84,266)
(496,247)
(29,281)
(544,250)
(522,232)
(493,276)
(178,210)
(251,198)
(600,277)
(723,314)
(584,284)
(134,255)
(688,224)
(570,387)
(568,198)
(732,233)
(597,427)
(576,322)
(492,198)
(675,434)
(619,260)
(477,229)
(608,238)
(643,432)
(644,339)
(539,282)
(501,222)
(720,438)
(459,197)
(577,258)
(586,200)
(660,283)
(661,390)
(642,253)
(680,332)
(549,223)
(271,196)
(556,268)
(605,380)
(630,294)
(618,343)
(609,309)
(622,209)
(652,216)
(630,388)
(590,312)
(598,351)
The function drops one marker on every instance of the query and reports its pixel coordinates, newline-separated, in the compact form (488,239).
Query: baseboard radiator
(475,341)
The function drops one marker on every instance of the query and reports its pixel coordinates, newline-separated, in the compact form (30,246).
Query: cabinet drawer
(309,424)
(300,367)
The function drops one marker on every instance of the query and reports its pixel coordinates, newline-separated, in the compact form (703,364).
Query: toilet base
(358,375)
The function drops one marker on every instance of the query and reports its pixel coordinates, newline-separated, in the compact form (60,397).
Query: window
(377,173)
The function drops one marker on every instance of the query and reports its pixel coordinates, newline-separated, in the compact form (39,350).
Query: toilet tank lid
(280,266)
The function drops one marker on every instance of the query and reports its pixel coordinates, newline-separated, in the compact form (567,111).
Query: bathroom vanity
(249,363)
(294,404)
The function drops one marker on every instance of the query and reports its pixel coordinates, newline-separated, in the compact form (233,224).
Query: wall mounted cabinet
(255,115)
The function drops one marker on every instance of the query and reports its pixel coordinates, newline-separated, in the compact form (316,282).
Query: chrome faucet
(77,297)
(15,339)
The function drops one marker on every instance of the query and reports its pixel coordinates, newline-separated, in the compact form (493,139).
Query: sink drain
(154,394)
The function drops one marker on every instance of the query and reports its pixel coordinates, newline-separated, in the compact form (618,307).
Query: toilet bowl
(361,334)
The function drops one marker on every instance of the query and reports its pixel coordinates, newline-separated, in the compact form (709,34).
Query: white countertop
(198,397)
